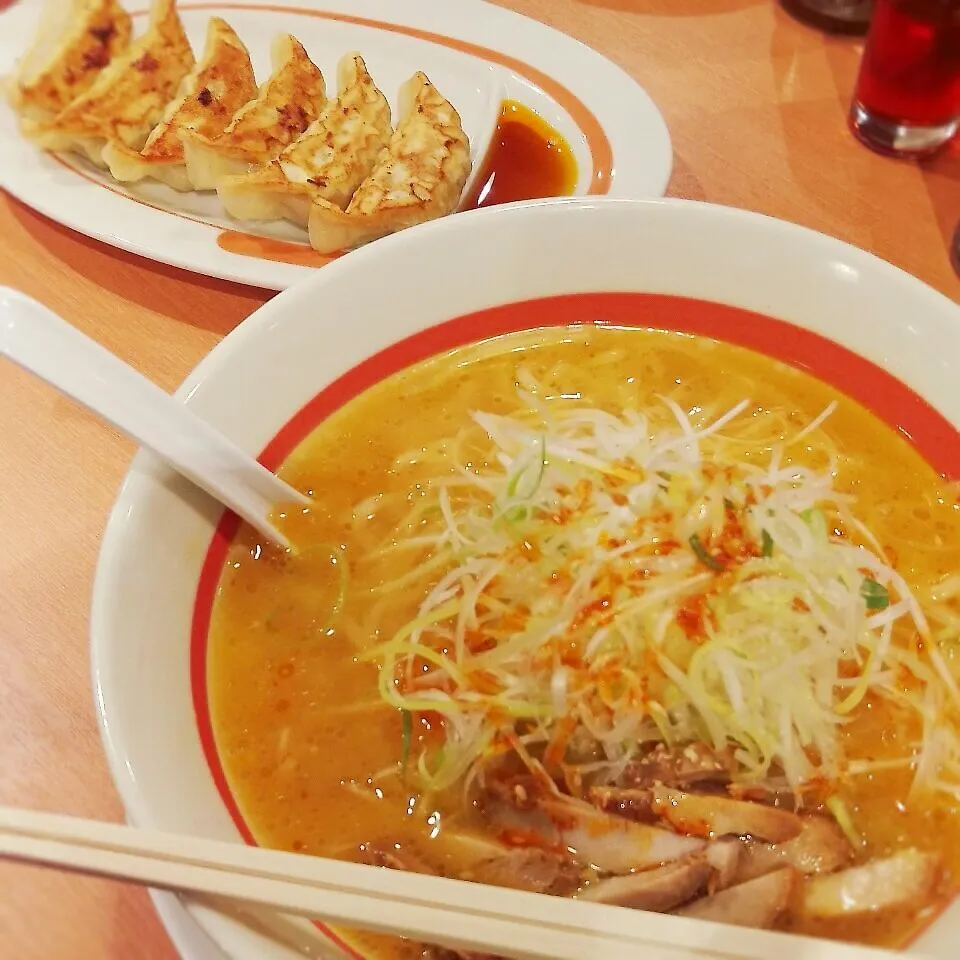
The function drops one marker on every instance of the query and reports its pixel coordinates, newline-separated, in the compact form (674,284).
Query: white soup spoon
(35,338)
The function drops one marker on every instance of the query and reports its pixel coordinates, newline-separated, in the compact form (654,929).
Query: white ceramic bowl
(261,375)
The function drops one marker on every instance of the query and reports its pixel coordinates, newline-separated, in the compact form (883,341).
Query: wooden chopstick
(452,913)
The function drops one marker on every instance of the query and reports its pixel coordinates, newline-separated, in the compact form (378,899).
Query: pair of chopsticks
(451,913)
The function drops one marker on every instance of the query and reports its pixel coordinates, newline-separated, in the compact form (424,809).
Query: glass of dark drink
(907,98)
(834,16)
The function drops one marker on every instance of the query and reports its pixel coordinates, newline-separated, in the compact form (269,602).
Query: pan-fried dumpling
(127,99)
(329,161)
(286,105)
(75,41)
(418,177)
(220,83)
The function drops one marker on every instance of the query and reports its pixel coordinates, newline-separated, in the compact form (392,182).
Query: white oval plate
(477,55)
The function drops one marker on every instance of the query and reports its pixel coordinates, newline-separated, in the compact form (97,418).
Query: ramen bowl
(866,328)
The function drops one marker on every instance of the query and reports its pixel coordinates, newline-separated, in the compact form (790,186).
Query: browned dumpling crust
(71,50)
(328,162)
(286,105)
(418,177)
(128,98)
(220,83)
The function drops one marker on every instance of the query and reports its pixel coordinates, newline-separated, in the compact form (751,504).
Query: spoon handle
(35,338)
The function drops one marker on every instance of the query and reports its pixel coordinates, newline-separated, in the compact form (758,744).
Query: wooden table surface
(756,104)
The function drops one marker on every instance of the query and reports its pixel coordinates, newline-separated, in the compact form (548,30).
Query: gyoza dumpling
(76,39)
(220,83)
(418,177)
(127,99)
(329,161)
(286,105)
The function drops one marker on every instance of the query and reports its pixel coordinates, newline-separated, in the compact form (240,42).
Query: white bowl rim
(115,742)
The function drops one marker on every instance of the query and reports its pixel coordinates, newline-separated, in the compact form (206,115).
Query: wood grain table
(756,104)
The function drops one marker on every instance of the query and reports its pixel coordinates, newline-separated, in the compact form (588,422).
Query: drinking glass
(907,98)
(834,16)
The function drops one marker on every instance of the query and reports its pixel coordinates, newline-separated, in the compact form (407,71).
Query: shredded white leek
(621,580)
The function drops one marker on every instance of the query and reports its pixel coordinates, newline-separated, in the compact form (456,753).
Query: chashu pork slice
(709,815)
(75,41)
(906,880)
(127,99)
(330,160)
(221,82)
(418,177)
(282,109)
(658,890)
(757,903)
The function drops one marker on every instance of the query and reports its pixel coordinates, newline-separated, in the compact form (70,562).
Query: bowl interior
(851,319)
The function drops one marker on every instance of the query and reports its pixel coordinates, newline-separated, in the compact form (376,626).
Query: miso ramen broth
(620,579)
